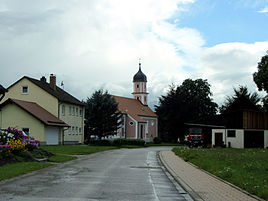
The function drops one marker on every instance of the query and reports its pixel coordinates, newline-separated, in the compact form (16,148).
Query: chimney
(43,79)
(52,82)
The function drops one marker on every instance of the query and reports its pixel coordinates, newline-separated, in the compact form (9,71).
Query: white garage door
(52,134)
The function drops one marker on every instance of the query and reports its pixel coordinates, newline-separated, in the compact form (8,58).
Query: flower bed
(13,141)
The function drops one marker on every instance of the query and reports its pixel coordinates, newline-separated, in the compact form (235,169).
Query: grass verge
(61,158)
(61,153)
(16,169)
(246,168)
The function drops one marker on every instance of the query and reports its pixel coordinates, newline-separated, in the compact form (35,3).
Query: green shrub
(122,141)
(100,142)
(157,140)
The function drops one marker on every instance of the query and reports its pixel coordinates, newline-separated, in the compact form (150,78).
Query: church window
(131,123)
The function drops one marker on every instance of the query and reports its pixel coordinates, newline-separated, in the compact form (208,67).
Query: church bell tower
(139,86)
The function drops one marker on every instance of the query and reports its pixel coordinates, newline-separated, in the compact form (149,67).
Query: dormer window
(24,90)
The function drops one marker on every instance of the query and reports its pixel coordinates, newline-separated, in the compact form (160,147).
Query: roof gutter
(204,125)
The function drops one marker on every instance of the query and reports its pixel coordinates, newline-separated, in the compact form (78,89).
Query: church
(138,120)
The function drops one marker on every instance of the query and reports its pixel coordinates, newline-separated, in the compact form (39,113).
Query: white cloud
(264,10)
(96,44)
(230,65)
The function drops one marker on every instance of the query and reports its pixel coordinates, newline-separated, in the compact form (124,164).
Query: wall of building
(233,142)
(131,127)
(35,94)
(14,116)
(266,139)
(237,141)
(71,115)
(218,131)
(151,128)
(140,93)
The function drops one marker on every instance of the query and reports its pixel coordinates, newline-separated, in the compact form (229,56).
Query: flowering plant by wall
(14,140)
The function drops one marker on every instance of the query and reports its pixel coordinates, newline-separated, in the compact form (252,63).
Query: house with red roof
(26,115)
(138,119)
(55,101)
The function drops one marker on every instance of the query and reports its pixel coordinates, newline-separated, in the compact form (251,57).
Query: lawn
(246,168)
(16,169)
(61,154)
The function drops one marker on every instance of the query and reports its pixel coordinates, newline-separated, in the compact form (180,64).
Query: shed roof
(37,111)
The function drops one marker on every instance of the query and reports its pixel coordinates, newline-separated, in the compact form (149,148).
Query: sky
(97,44)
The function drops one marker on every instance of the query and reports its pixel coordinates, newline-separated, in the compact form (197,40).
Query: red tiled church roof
(134,108)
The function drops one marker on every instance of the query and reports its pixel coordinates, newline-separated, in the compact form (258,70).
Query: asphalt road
(124,174)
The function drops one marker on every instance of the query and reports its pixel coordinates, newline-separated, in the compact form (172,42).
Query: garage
(52,135)
(253,139)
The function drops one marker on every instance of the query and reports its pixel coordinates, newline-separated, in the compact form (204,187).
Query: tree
(242,90)
(102,117)
(189,101)
(261,79)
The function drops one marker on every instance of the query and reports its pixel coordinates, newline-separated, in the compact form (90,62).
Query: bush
(157,140)
(100,142)
(122,141)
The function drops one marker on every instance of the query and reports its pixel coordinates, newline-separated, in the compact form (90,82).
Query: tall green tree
(261,79)
(241,90)
(189,101)
(102,117)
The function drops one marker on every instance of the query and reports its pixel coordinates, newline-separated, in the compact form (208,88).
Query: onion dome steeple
(139,76)
(139,86)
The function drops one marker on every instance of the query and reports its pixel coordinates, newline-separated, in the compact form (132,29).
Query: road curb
(194,195)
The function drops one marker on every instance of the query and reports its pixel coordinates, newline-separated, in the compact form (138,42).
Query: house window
(76,112)
(73,130)
(70,110)
(80,131)
(63,110)
(81,112)
(24,90)
(131,123)
(231,133)
(73,111)
(138,86)
(76,130)
(26,130)
(69,130)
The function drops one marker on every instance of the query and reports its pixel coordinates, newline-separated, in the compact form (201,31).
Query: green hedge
(157,140)
(122,141)
(100,142)
(117,142)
